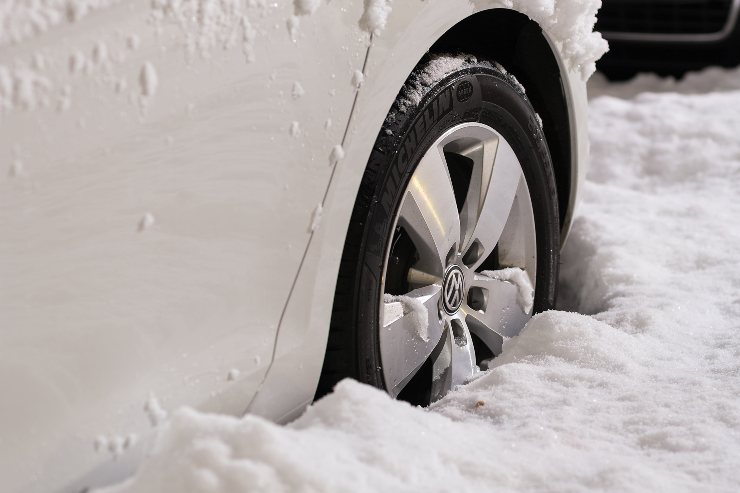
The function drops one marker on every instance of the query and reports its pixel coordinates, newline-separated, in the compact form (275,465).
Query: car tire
(423,300)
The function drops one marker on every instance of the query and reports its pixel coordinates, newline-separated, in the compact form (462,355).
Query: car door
(162,164)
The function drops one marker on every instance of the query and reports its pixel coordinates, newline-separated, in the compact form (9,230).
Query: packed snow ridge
(148,80)
(154,410)
(520,279)
(375,16)
(336,154)
(316,218)
(641,395)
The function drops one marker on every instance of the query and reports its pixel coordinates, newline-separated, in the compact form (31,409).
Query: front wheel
(454,238)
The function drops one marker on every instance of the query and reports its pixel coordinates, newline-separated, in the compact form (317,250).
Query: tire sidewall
(475,94)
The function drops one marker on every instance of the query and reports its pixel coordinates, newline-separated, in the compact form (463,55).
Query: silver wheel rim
(447,297)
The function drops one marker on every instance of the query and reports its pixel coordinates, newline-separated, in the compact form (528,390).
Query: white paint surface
(97,314)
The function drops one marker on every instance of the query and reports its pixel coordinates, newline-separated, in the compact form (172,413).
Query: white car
(231,205)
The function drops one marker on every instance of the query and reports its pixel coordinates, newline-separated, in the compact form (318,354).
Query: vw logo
(453,289)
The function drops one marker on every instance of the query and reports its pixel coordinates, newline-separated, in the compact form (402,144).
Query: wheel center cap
(453,289)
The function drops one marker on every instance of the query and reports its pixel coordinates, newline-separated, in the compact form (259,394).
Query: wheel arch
(519,44)
(414,29)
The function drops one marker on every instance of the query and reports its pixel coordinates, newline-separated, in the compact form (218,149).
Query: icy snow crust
(375,15)
(643,395)
(570,24)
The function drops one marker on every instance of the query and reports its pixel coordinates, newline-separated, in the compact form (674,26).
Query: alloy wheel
(459,273)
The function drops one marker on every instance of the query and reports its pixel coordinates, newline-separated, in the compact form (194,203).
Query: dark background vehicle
(668,37)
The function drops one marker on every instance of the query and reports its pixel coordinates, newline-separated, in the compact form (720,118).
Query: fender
(413,28)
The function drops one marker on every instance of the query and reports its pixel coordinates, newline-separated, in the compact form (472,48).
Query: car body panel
(149,242)
(412,28)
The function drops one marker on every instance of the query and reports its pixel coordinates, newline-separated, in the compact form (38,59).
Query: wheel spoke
(518,242)
(463,353)
(455,364)
(429,212)
(467,197)
(442,370)
(502,314)
(410,333)
(492,192)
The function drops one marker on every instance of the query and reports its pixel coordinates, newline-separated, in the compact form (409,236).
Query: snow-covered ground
(640,392)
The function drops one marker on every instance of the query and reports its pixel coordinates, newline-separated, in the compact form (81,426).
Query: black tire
(480,92)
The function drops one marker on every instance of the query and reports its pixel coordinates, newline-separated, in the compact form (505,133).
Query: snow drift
(643,394)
